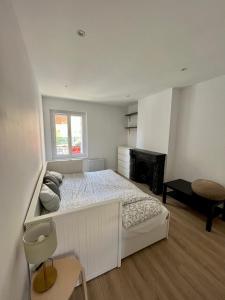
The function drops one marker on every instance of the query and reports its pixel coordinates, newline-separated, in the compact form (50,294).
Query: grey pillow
(49,176)
(49,200)
(54,187)
(57,175)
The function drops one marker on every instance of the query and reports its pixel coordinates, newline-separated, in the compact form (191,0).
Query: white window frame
(84,154)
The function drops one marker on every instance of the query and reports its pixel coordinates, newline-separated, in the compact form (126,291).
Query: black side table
(182,191)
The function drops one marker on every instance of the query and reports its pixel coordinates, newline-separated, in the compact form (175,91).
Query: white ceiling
(132,47)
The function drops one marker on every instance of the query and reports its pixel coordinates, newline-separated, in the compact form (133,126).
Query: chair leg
(84,284)
(164,193)
(209,217)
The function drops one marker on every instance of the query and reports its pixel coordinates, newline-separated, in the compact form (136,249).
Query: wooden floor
(189,265)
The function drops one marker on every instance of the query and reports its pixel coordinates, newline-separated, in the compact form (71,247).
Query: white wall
(171,157)
(105,126)
(200,140)
(132,133)
(154,113)
(20,152)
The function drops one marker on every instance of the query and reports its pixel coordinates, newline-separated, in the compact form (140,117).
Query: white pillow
(57,175)
(49,199)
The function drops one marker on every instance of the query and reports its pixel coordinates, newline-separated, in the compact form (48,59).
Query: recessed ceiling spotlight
(184,69)
(81,32)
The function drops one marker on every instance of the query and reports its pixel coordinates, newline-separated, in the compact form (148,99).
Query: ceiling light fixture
(81,33)
(184,69)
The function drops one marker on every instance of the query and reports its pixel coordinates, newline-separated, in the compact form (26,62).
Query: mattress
(83,189)
(147,225)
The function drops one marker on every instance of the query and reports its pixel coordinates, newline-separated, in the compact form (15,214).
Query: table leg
(164,192)
(84,284)
(209,216)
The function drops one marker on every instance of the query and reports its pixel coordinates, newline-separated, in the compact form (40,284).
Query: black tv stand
(181,190)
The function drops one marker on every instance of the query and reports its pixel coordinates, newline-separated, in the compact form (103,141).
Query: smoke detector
(81,33)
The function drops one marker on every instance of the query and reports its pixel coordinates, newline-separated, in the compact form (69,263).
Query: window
(68,134)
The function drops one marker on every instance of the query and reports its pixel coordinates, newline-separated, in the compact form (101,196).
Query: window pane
(76,135)
(61,134)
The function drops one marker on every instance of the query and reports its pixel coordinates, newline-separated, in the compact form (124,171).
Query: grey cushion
(54,187)
(57,175)
(49,200)
(49,176)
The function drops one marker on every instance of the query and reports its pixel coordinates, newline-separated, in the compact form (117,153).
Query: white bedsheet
(93,187)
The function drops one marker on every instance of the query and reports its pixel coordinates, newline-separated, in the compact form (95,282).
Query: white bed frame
(140,240)
(93,232)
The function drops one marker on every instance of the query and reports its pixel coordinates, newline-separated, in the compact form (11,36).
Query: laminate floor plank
(190,265)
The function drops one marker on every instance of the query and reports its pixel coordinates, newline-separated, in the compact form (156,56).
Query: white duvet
(83,189)
(91,187)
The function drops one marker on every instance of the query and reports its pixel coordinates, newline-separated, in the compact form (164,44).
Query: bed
(102,216)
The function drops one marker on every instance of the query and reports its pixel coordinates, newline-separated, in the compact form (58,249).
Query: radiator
(94,164)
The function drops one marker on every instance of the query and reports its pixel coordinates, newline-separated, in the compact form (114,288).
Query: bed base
(140,241)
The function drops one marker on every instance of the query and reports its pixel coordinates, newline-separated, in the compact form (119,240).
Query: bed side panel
(93,235)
